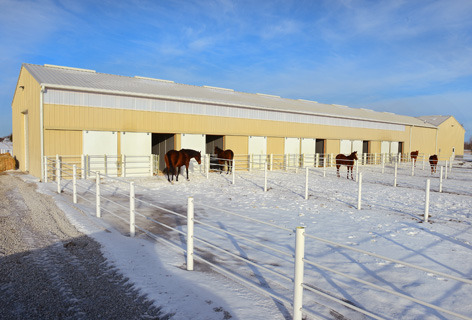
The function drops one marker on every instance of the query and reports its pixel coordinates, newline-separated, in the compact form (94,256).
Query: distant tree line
(468,144)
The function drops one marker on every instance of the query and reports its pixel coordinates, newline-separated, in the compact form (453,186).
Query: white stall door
(345,147)
(195,142)
(101,148)
(136,148)
(308,149)
(257,147)
(292,151)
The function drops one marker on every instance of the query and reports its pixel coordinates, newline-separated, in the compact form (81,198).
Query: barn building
(70,111)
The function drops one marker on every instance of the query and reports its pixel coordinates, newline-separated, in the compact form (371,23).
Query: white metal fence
(203,235)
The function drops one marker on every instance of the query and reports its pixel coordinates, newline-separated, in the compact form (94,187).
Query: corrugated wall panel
(130,103)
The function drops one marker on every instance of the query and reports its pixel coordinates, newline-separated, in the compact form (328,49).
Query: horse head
(198,157)
(354,155)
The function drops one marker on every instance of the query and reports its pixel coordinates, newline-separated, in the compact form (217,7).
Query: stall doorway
(161,143)
(365,147)
(213,141)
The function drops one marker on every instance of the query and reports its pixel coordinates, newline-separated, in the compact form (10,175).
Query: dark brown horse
(348,161)
(224,157)
(433,161)
(414,155)
(176,159)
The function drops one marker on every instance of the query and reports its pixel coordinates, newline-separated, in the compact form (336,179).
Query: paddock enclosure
(80,112)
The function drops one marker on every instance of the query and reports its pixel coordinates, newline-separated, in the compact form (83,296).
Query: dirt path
(49,270)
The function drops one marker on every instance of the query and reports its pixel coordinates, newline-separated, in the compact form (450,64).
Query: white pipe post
(331,160)
(45,169)
(426,204)
(123,165)
(441,179)
(306,183)
(299,270)
(450,165)
(383,163)
(324,166)
(271,159)
(359,193)
(413,167)
(58,173)
(445,172)
(190,219)
(357,170)
(317,160)
(132,210)
(82,166)
(105,164)
(74,183)
(395,175)
(265,177)
(233,173)
(97,197)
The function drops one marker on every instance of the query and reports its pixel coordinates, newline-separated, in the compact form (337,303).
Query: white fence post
(441,179)
(383,163)
(82,166)
(357,170)
(306,183)
(132,210)
(412,167)
(359,193)
(105,164)
(426,204)
(233,173)
(299,270)
(445,172)
(364,161)
(271,159)
(190,215)
(317,160)
(395,175)
(324,166)
(97,197)
(265,177)
(58,173)
(123,165)
(45,169)
(74,183)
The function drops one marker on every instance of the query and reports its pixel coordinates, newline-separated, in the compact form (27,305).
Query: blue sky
(407,57)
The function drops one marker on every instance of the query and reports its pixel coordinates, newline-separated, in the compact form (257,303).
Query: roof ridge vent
(339,105)
(69,68)
(366,109)
(153,79)
(267,95)
(218,88)
(304,100)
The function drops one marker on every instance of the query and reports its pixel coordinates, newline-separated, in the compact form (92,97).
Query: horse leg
(227,166)
(186,167)
(337,170)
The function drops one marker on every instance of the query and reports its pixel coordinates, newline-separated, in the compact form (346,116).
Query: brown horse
(348,161)
(414,155)
(433,161)
(224,157)
(176,159)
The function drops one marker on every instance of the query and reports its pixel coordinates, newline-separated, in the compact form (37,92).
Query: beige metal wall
(63,126)
(451,134)
(26,104)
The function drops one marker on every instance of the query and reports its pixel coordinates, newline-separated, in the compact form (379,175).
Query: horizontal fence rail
(217,244)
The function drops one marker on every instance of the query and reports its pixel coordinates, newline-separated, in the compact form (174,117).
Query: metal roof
(90,80)
(434,120)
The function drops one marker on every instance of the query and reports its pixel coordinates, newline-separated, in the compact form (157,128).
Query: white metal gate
(196,142)
(308,149)
(135,146)
(257,146)
(101,143)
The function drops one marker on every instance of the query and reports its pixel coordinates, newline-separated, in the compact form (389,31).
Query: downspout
(411,131)
(41,130)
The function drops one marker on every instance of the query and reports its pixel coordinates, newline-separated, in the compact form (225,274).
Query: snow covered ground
(390,224)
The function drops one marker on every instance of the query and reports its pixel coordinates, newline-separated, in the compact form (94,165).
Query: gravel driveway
(49,270)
